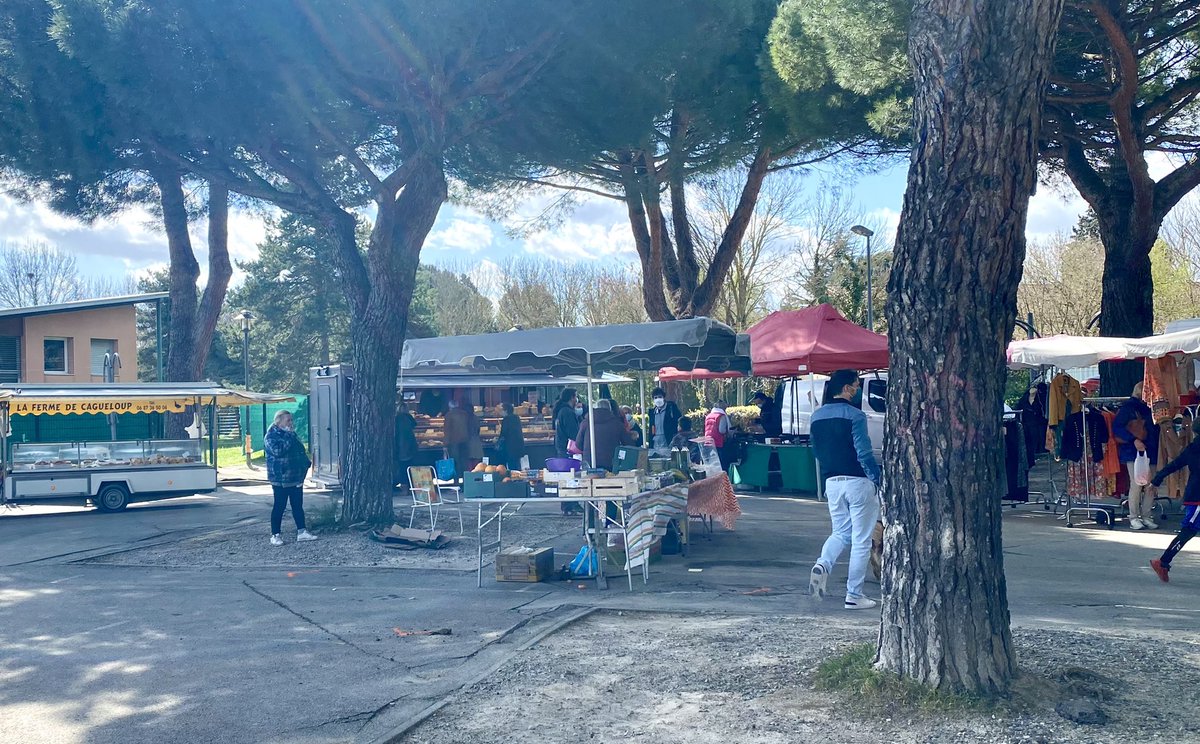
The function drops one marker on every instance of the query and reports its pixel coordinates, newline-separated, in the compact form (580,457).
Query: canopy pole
(642,408)
(591,413)
(812,395)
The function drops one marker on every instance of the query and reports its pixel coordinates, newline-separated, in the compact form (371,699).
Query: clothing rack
(1088,508)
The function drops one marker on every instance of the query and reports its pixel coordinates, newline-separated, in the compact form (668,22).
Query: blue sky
(596,231)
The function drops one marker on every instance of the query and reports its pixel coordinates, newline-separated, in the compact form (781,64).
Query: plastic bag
(445,470)
(584,565)
(573,447)
(1141,469)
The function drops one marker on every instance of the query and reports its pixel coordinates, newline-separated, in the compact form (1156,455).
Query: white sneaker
(860,603)
(305,536)
(816,581)
(1136,524)
(276,540)
(1150,523)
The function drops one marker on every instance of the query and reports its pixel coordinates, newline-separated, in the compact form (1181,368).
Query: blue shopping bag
(445,470)
(584,565)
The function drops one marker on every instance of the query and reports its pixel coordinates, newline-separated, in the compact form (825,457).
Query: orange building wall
(81,326)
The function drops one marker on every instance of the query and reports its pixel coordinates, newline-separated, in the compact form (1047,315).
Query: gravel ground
(716,679)
(248,546)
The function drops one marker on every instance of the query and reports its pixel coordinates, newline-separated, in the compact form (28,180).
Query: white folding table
(602,526)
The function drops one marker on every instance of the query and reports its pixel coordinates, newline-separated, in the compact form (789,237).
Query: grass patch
(853,672)
(234,455)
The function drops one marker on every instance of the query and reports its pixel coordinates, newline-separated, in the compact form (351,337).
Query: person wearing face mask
(631,425)
(664,420)
(287,464)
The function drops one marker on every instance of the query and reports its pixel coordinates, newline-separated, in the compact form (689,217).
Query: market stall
(685,344)
(531,395)
(109,472)
(797,344)
(1094,479)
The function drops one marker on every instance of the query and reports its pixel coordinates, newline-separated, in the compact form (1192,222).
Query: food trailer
(115,471)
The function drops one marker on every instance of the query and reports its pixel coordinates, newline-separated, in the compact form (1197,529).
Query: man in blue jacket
(843,450)
(1135,432)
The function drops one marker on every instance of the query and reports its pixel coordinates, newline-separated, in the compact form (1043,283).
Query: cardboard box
(525,564)
(631,458)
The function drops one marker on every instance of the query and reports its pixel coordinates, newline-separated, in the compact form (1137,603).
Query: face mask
(578,410)
(629,417)
(660,402)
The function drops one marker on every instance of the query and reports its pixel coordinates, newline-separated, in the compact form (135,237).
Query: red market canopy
(818,339)
(671,374)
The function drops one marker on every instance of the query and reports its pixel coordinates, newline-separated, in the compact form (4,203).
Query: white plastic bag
(1141,469)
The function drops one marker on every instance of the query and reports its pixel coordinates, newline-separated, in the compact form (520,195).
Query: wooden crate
(521,564)
(576,488)
(619,486)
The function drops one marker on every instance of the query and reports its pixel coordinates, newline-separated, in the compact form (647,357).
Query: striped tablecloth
(714,497)
(647,519)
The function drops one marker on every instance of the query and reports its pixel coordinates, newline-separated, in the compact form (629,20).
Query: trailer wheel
(112,497)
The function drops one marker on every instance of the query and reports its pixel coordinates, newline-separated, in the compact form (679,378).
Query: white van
(801,397)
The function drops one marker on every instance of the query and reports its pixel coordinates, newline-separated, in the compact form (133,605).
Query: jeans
(294,494)
(854,510)
(1141,503)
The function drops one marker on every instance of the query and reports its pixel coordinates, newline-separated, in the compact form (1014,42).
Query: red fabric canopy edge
(790,343)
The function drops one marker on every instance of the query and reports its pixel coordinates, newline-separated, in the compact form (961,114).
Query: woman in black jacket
(567,414)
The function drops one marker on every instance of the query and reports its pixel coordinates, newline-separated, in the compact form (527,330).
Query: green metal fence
(255,420)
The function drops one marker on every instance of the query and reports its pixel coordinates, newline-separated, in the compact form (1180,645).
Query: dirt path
(717,679)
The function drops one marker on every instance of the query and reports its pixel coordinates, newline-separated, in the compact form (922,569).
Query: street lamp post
(245,317)
(867,233)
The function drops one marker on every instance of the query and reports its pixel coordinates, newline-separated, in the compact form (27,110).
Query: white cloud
(131,242)
(469,236)
(578,241)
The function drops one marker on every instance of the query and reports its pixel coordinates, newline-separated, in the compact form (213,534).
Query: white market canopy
(150,397)
(1154,347)
(1086,351)
(1066,351)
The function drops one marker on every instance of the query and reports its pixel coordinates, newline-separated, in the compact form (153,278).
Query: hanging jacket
(1073,441)
(1160,385)
(1064,389)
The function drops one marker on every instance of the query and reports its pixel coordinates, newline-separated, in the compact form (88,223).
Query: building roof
(93,304)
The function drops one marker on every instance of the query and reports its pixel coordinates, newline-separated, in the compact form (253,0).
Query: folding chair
(429,493)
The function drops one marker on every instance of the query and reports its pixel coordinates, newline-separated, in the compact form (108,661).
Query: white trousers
(854,510)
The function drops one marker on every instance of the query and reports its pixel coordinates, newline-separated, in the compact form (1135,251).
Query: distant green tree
(222,362)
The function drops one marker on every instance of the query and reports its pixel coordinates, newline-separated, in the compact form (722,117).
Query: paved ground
(106,653)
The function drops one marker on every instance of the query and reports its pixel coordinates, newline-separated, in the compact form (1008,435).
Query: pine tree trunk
(980,71)
(1127,294)
(379,319)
